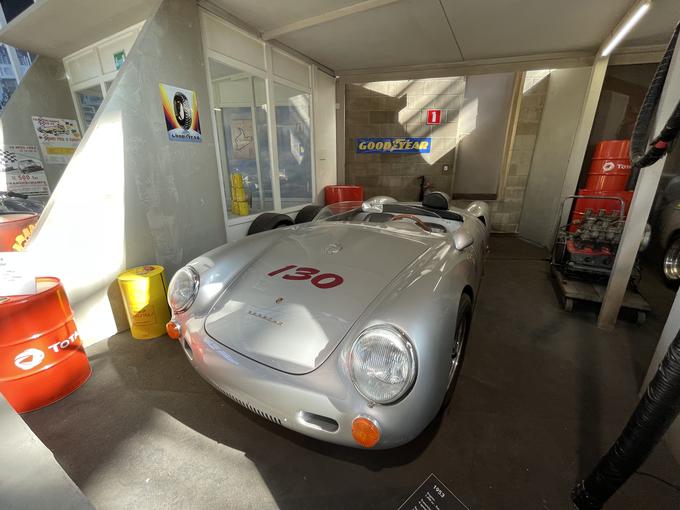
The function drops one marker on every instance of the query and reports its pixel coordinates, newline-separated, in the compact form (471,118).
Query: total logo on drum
(28,359)
(32,357)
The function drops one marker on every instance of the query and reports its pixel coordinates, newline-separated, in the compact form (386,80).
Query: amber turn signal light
(365,431)
(173,330)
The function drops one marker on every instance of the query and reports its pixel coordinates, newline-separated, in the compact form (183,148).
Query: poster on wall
(58,138)
(242,138)
(393,145)
(22,171)
(180,108)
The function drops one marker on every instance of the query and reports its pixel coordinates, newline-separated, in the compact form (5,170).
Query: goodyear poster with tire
(180,108)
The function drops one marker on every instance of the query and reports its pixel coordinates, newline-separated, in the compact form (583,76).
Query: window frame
(304,90)
(74,95)
(100,77)
(267,74)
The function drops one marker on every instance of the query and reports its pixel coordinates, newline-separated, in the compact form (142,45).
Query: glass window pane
(241,117)
(7,88)
(89,101)
(12,8)
(25,61)
(293,132)
(4,61)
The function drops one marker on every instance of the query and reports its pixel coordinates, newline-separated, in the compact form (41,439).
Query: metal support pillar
(640,207)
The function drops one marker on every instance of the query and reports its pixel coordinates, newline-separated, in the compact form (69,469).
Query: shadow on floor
(541,396)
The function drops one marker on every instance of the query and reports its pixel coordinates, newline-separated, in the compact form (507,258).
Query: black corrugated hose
(654,414)
(643,152)
(660,405)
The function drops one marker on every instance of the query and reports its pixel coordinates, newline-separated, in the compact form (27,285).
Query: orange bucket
(41,356)
(15,229)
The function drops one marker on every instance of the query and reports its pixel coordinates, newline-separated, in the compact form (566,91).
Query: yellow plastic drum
(144,294)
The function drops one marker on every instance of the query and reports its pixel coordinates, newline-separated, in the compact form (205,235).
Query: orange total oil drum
(42,359)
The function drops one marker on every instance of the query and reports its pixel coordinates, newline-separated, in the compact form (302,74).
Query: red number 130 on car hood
(291,307)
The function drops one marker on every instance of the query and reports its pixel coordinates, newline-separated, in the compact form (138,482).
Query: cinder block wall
(398,109)
(505,212)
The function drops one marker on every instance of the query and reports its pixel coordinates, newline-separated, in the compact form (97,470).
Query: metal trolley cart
(584,253)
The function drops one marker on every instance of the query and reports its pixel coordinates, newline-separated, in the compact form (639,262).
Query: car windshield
(352,211)
(339,208)
(435,220)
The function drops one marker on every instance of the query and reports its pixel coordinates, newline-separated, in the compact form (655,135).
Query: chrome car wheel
(671,261)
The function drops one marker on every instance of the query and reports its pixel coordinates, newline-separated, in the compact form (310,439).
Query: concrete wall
(506,209)
(559,121)
(43,91)
(130,196)
(398,109)
(482,126)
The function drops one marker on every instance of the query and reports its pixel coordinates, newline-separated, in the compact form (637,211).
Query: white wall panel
(232,42)
(559,122)
(108,49)
(83,67)
(290,68)
(97,60)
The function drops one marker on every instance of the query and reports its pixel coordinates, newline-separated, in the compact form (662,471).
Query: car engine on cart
(591,247)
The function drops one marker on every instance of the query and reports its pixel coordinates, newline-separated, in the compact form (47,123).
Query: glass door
(240,109)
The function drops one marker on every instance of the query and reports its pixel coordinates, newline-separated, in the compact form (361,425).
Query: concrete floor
(541,396)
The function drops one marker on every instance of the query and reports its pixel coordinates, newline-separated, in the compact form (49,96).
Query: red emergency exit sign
(434,117)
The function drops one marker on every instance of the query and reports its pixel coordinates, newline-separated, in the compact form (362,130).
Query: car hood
(287,320)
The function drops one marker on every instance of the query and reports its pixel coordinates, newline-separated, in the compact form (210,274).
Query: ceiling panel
(503,28)
(267,15)
(57,28)
(657,25)
(408,32)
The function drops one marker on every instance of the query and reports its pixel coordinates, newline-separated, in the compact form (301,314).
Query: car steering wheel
(413,217)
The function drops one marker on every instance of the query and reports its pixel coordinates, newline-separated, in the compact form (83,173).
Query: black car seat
(436,200)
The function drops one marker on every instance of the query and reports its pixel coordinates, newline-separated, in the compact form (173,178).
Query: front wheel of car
(671,261)
(463,320)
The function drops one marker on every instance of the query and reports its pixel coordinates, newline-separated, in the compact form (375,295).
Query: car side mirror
(462,239)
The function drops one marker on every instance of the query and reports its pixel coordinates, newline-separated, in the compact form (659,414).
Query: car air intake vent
(254,409)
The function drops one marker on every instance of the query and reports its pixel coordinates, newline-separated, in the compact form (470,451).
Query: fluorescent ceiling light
(627,27)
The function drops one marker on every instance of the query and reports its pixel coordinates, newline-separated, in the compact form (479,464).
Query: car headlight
(183,289)
(382,364)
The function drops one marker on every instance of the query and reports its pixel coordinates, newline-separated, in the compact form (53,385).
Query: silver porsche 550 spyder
(349,328)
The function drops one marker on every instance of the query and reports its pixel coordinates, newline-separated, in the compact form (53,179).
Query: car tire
(461,333)
(670,264)
(307,214)
(269,221)
(182,108)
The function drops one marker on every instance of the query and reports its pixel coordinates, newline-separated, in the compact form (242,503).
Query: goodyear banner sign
(393,145)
